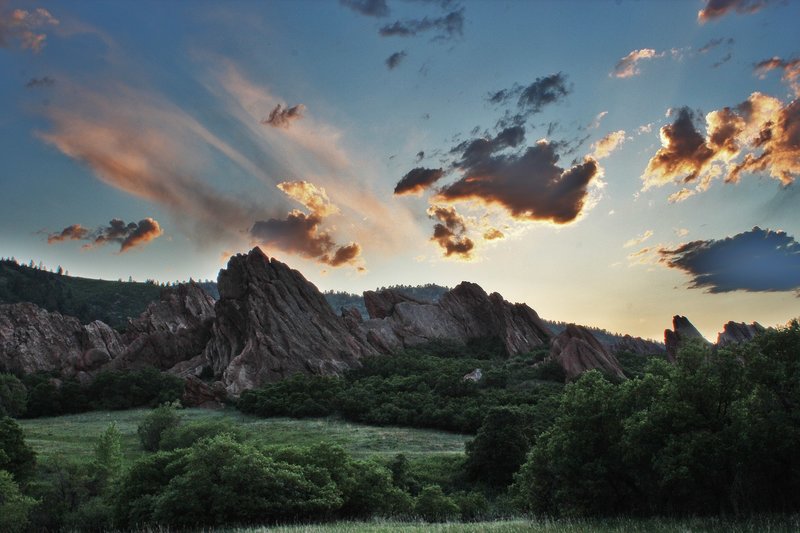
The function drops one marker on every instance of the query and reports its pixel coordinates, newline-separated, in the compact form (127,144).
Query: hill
(113,302)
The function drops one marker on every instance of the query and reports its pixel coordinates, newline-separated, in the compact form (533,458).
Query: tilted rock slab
(271,323)
(681,330)
(738,332)
(461,314)
(35,340)
(636,345)
(577,351)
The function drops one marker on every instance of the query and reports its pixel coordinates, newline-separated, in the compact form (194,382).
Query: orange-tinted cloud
(493,234)
(760,135)
(639,239)
(282,117)
(790,68)
(530,185)
(417,180)
(717,8)
(628,66)
(450,232)
(74,232)
(605,146)
(313,198)
(128,235)
(26,28)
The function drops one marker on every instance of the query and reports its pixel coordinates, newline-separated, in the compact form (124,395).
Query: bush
(432,505)
(500,447)
(185,435)
(14,506)
(16,457)
(474,506)
(154,424)
(13,396)
(125,390)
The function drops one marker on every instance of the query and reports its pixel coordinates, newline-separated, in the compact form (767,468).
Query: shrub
(185,435)
(16,457)
(14,506)
(154,424)
(13,396)
(432,505)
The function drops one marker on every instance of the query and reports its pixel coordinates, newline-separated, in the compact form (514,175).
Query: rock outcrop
(636,345)
(172,330)
(577,351)
(681,331)
(463,313)
(35,340)
(738,332)
(271,323)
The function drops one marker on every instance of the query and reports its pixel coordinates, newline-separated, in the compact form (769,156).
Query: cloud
(417,180)
(26,28)
(532,99)
(755,261)
(128,235)
(714,43)
(313,198)
(717,8)
(446,27)
(282,117)
(450,232)
(760,135)
(394,60)
(74,232)
(790,68)
(369,8)
(493,234)
(605,146)
(628,66)
(596,122)
(37,83)
(300,233)
(724,59)
(529,185)
(639,239)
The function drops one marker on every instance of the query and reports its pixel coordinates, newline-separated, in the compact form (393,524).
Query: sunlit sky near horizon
(608,163)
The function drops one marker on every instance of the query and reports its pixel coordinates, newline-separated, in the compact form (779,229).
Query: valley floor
(75,435)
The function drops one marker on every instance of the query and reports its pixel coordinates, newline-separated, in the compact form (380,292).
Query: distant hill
(430,292)
(113,302)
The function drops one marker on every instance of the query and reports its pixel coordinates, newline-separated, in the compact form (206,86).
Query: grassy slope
(113,302)
(75,435)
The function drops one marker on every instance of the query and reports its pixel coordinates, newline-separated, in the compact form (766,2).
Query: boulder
(681,330)
(474,376)
(576,350)
(197,393)
(271,323)
(380,304)
(35,340)
(738,332)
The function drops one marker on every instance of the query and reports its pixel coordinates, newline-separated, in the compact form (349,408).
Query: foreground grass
(75,435)
(775,524)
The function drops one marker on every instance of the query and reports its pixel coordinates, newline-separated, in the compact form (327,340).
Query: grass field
(76,435)
(773,524)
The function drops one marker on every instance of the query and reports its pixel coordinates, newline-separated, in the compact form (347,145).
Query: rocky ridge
(576,350)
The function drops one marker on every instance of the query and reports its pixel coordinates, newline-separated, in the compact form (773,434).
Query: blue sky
(156,114)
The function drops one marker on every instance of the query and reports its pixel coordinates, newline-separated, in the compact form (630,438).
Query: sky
(608,163)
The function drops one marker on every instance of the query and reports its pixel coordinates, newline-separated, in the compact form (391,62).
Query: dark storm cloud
(38,83)
(394,60)
(417,180)
(446,27)
(369,8)
(755,261)
(282,117)
(450,232)
(299,233)
(717,8)
(529,185)
(127,235)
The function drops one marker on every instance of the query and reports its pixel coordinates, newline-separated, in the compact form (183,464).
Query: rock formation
(738,332)
(577,351)
(271,323)
(174,329)
(463,313)
(35,340)
(636,345)
(681,330)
